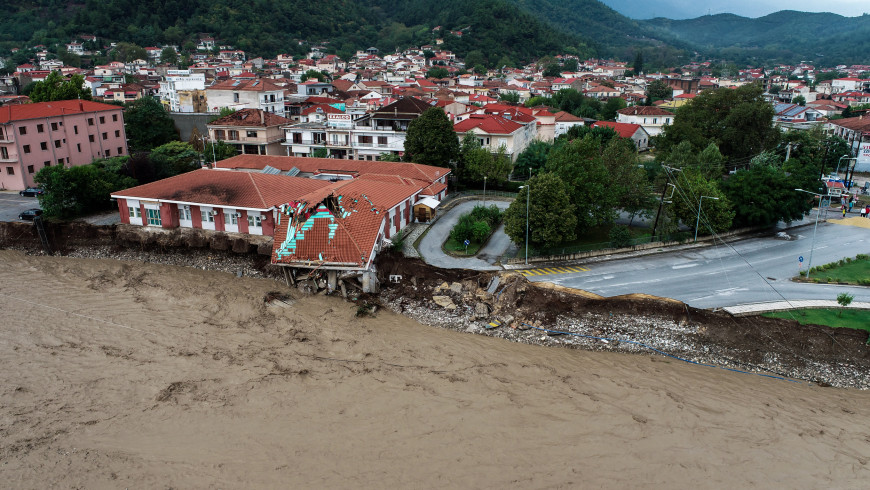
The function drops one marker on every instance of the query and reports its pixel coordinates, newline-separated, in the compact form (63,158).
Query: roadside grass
(594,239)
(845,271)
(453,247)
(856,319)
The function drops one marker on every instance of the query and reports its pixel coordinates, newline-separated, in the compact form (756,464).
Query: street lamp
(840,161)
(813,246)
(484,190)
(528,189)
(698,221)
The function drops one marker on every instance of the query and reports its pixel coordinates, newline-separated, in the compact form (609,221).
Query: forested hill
(268,27)
(787,36)
(502,30)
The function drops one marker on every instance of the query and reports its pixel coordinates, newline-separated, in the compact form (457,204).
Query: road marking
(683,266)
(545,271)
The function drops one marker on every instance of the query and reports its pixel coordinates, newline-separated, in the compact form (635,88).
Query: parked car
(29,214)
(32,192)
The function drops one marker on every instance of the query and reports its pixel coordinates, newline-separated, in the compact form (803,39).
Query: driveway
(430,246)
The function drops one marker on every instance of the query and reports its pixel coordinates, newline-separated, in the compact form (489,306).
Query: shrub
(480,231)
(620,236)
(862,256)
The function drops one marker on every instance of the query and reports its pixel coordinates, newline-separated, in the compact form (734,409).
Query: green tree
(320,153)
(571,65)
(551,215)
(54,87)
(799,100)
(127,52)
(658,90)
(478,162)
(389,157)
(430,140)
(532,159)
(222,150)
(474,58)
(637,66)
(437,72)
(579,165)
(313,74)
(764,194)
(174,158)
(168,55)
(553,70)
(608,111)
(715,213)
(78,190)
(224,112)
(844,299)
(510,96)
(148,125)
(739,121)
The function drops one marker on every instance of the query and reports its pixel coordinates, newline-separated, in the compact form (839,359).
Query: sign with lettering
(864,153)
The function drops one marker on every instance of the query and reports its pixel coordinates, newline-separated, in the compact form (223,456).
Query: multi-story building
(66,132)
(252,131)
(366,138)
(177,82)
(260,94)
(651,118)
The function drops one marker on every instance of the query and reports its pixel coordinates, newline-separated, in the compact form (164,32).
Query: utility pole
(662,199)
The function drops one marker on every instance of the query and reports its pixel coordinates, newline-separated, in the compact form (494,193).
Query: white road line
(684,266)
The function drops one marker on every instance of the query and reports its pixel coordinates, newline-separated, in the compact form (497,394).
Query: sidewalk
(756,308)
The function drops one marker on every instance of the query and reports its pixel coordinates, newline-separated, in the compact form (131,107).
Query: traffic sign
(801,258)
(467,242)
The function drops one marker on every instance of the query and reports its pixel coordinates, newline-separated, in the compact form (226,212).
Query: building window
(255,220)
(108,152)
(22,130)
(4,153)
(184,213)
(382,141)
(102,120)
(297,138)
(153,217)
(219,134)
(231,219)
(120,150)
(90,121)
(91,138)
(117,133)
(40,128)
(233,135)
(44,145)
(57,143)
(26,148)
(79,147)
(252,134)
(30,169)
(135,212)
(207,217)
(114,118)
(46,163)
(60,161)
(105,136)
(10,171)
(76,129)
(54,126)
(364,140)
(235,97)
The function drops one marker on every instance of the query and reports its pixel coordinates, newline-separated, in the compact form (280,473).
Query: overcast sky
(688,9)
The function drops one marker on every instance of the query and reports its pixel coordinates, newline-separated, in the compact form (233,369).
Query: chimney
(81,106)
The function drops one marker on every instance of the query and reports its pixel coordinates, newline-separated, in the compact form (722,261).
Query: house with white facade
(180,81)
(651,118)
(495,132)
(260,94)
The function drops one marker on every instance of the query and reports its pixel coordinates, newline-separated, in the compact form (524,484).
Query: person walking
(863,211)
(851,203)
(843,206)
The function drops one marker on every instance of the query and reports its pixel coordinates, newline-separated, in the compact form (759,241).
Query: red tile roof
(488,124)
(226,188)
(251,118)
(51,109)
(416,171)
(563,116)
(324,108)
(624,130)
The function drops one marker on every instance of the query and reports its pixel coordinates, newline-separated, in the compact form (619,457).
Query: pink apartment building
(65,132)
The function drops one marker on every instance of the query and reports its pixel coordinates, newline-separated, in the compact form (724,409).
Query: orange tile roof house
(495,132)
(330,214)
(634,132)
(246,94)
(651,118)
(67,132)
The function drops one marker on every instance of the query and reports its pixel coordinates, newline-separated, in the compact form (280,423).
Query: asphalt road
(430,245)
(11,204)
(747,271)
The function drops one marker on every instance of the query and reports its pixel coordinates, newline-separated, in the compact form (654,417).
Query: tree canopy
(430,140)
(54,87)
(148,125)
(552,218)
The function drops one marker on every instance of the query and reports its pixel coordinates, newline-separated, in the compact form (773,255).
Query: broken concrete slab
(444,302)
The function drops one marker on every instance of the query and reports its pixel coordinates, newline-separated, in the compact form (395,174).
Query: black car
(31,192)
(29,214)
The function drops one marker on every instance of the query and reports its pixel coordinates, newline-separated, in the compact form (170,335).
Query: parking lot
(11,204)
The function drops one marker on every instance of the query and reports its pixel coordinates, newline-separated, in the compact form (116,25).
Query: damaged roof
(315,166)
